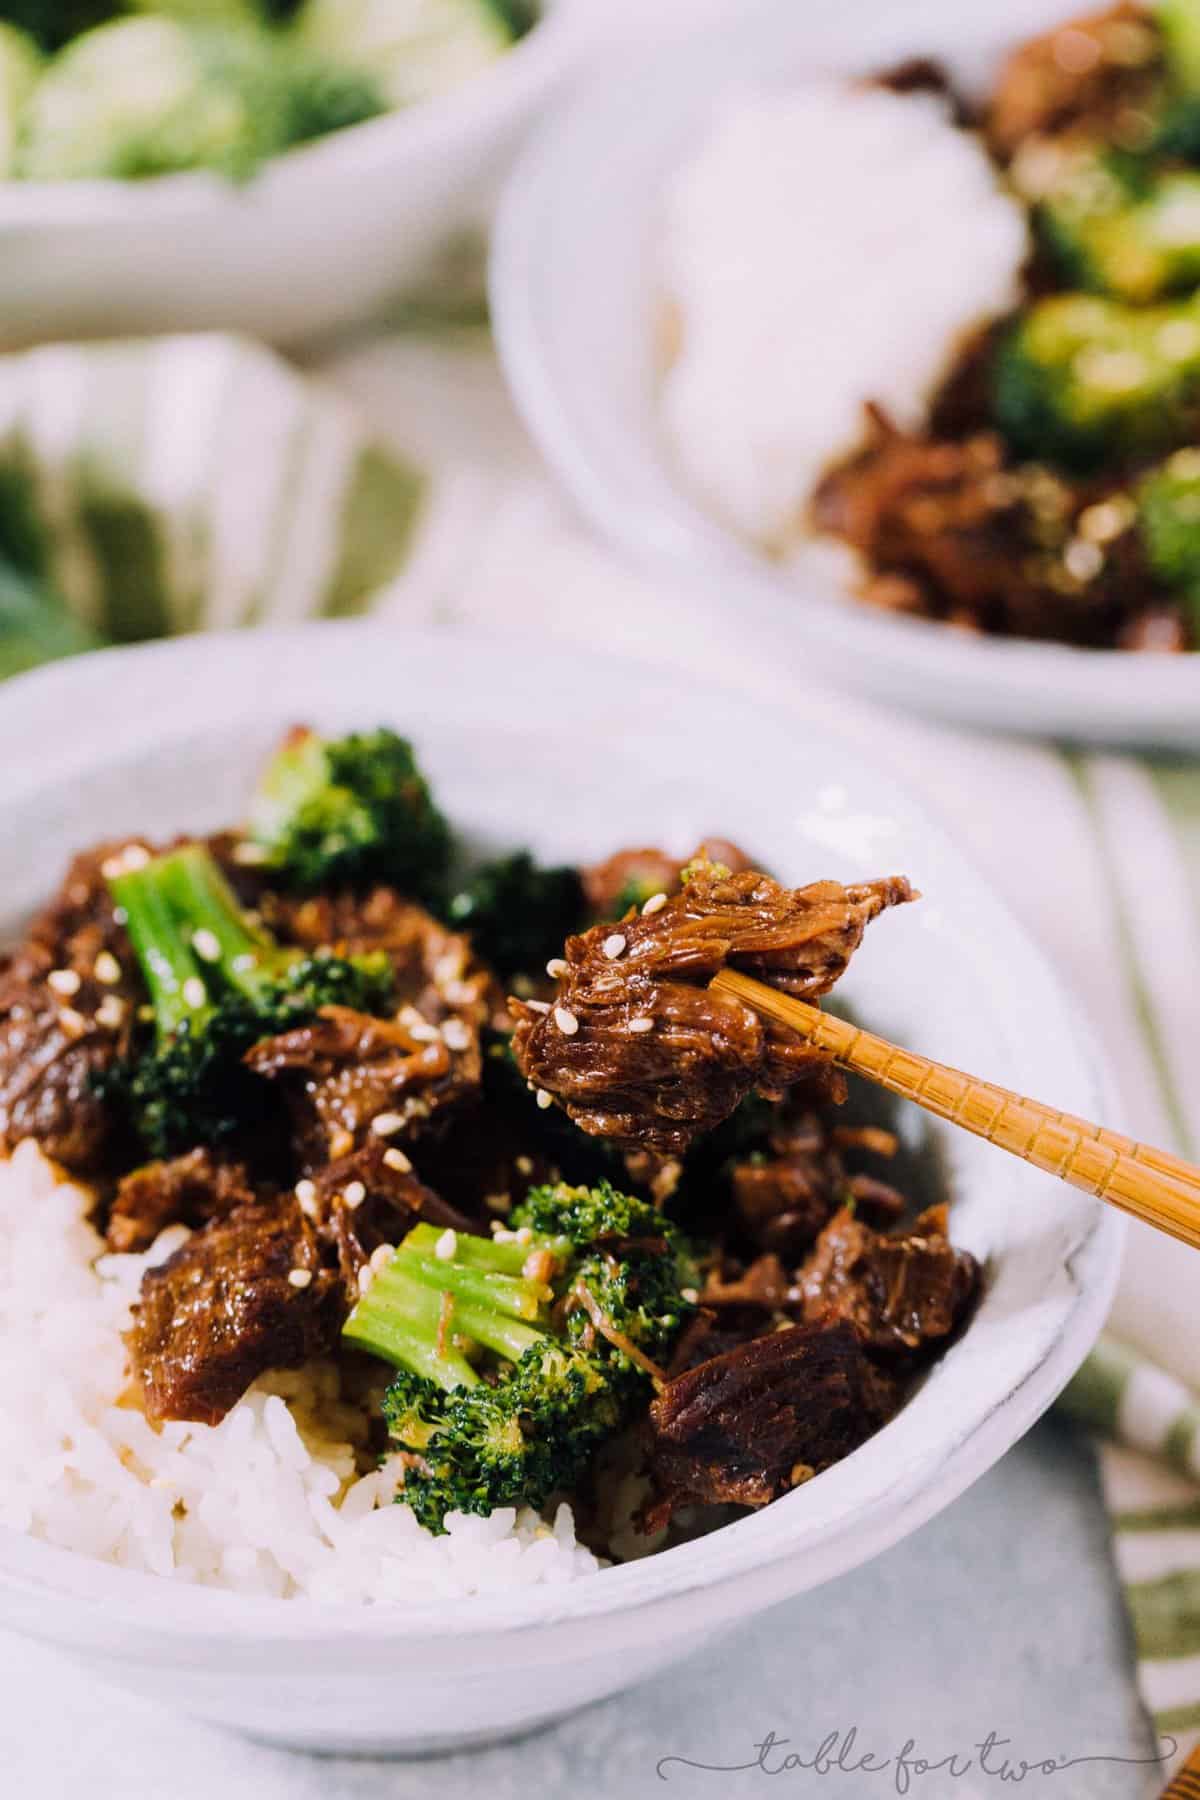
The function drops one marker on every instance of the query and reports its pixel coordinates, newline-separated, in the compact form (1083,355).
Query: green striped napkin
(165,484)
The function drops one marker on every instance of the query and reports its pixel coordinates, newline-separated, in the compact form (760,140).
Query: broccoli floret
(1083,382)
(519,1356)
(350,810)
(322,96)
(217,984)
(149,96)
(518,913)
(414,49)
(1117,228)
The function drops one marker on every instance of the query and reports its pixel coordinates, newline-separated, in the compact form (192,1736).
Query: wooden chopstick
(1151,1184)
(1185,1783)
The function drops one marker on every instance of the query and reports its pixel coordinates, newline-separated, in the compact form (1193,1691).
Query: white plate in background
(575,303)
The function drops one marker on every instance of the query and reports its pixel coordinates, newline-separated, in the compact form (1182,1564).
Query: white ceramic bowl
(573,757)
(575,305)
(323,236)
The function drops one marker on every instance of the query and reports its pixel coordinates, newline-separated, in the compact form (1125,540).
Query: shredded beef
(68,998)
(746,1426)
(346,1070)
(368,1199)
(651,1057)
(950,532)
(1096,77)
(188,1190)
(222,1310)
(901,1293)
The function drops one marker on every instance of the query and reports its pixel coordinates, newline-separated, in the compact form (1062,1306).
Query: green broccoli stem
(205,905)
(173,972)
(400,1318)
(507,1255)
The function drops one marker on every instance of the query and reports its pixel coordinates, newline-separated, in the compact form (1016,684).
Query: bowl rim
(486,99)
(1018,684)
(757,1565)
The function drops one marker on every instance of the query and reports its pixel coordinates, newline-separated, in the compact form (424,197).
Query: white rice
(826,246)
(268,1502)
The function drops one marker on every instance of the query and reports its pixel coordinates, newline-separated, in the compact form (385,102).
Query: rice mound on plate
(270,1501)
(826,245)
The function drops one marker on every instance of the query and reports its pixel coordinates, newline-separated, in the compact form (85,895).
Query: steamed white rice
(271,1501)
(826,245)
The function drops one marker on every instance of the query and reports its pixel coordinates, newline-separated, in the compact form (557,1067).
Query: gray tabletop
(1001,1617)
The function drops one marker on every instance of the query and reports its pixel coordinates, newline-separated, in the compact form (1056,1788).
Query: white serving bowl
(323,236)
(576,307)
(528,746)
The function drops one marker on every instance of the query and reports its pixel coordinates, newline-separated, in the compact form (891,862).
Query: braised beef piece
(763,1284)
(68,999)
(784,1192)
(950,532)
(246,1293)
(901,1294)
(1097,77)
(187,1190)
(348,1074)
(747,1426)
(629,877)
(371,1198)
(650,1056)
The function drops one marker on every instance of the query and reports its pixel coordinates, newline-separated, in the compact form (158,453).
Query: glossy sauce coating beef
(636,1047)
(901,1293)
(247,1293)
(186,1190)
(746,1426)
(68,997)
(348,1074)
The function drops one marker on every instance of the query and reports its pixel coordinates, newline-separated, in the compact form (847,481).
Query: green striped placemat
(162,485)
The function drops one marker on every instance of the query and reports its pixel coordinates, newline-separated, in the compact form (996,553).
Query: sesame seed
(194,991)
(690,1294)
(354,1193)
(341,1144)
(654,904)
(381,1257)
(455,1035)
(448,967)
(133,856)
(460,993)
(566,1021)
(299,1278)
(111,1012)
(544,1099)
(365,1275)
(613,946)
(641,1024)
(306,1190)
(248,854)
(525,1235)
(1083,560)
(385,1124)
(422,1032)
(205,944)
(64,981)
(72,1022)
(524,1165)
(538,1006)
(107,969)
(396,1159)
(556,968)
(446,1246)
